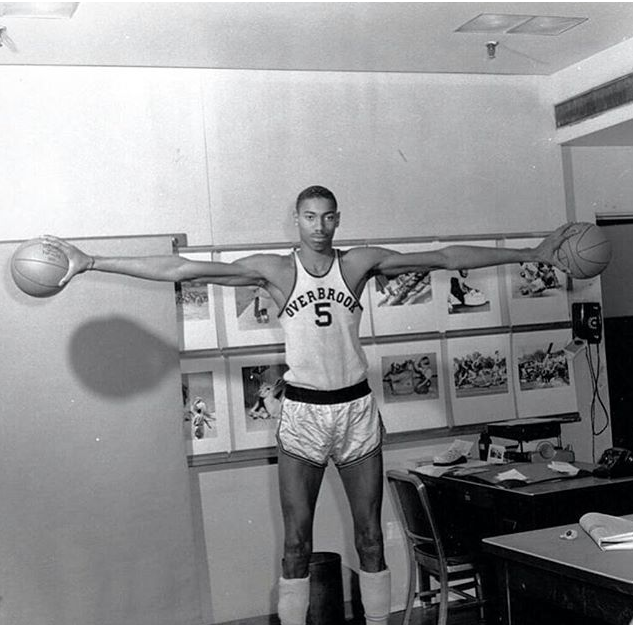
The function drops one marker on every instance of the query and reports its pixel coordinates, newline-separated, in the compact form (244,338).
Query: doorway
(617,299)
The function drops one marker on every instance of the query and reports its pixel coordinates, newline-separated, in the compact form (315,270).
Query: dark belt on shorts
(335,396)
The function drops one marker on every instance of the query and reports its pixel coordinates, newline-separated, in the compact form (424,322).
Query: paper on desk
(461,447)
(609,532)
(563,467)
(511,474)
(432,470)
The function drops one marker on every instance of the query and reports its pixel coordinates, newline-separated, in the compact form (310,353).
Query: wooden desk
(468,511)
(472,510)
(545,579)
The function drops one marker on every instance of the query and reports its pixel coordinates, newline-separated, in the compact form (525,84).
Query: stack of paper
(608,532)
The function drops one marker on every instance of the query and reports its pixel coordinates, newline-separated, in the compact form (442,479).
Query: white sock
(294,598)
(375,593)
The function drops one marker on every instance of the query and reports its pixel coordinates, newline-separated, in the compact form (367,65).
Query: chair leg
(444,593)
(480,596)
(424,582)
(411,592)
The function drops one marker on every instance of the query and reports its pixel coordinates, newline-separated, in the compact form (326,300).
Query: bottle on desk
(484,444)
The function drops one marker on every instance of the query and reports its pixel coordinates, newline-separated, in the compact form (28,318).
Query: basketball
(586,253)
(37,267)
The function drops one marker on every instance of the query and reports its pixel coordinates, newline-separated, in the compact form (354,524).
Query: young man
(328,410)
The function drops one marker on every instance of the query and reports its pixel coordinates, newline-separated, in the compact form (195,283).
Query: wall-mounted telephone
(615,462)
(586,321)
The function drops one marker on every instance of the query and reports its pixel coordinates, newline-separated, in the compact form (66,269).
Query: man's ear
(338,219)
(295,217)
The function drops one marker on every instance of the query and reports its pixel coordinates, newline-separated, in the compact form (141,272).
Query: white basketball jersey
(320,320)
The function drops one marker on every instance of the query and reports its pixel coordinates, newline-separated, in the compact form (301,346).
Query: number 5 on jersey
(323,314)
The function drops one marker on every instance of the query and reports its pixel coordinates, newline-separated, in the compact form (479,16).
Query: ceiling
(342,36)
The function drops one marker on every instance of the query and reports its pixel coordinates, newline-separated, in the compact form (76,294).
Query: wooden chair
(429,556)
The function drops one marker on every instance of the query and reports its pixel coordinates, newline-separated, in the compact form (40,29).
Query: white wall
(603,180)
(108,152)
(405,154)
(95,514)
(112,152)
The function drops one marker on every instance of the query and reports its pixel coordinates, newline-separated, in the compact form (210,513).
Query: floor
(419,617)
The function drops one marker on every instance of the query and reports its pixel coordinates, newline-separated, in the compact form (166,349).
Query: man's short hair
(316,191)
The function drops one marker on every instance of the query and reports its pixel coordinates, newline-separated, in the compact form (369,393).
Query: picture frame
(496,454)
(250,314)
(195,311)
(537,292)
(206,417)
(480,374)
(406,303)
(470,298)
(409,383)
(543,373)
(256,390)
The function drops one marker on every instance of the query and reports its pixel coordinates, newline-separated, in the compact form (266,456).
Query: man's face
(317,221)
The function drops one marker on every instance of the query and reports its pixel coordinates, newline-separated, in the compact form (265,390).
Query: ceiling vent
(598,100)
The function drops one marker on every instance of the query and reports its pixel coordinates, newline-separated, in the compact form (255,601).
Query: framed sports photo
(470,297)
(250,314)
(195,310)
(544,373)
(408,302)
(205,415)
(480,379)
(537,292)
(408,380)
(256,386)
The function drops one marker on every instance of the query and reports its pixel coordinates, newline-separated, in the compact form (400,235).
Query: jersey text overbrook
(321,294)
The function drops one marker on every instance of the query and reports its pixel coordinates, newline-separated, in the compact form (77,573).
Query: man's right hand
(78,261)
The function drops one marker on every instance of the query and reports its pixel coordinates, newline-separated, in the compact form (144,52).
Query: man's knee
(370,548)
(297,553)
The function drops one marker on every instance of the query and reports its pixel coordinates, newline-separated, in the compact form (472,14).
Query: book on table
(609,532)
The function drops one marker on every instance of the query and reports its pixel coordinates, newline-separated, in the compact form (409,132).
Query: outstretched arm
(471,257)
(168,268)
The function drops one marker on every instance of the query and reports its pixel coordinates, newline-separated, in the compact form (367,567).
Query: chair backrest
(413,506)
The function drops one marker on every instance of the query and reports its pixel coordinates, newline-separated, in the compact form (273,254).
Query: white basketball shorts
(342,424)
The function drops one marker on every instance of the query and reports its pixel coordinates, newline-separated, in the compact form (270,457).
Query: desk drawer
(564,593)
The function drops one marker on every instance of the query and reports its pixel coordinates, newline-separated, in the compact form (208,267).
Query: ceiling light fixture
(520,24)
(492,23)
(546,25)
(50,10)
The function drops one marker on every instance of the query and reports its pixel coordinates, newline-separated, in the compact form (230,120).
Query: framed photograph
(470,297)
(544,373)
(496,454)
(408,302)
(537,292)
(205,415)
(256,386)
(480,379)
(250,314)
(195,309)
(408,380)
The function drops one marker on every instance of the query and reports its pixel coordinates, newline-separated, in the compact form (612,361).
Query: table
(468,511)
(473,510)
(548,580)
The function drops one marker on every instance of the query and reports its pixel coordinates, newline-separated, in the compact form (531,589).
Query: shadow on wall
(117,357)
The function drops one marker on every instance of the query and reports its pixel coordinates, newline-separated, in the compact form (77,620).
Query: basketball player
(328,411)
